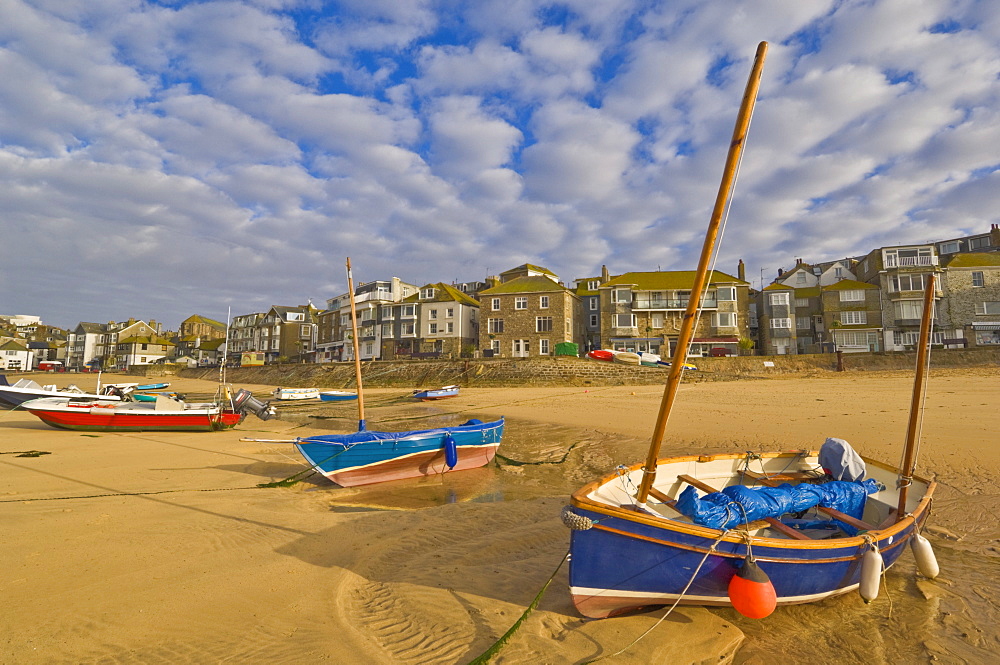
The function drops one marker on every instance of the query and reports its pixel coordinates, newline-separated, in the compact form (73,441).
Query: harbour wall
(565,370)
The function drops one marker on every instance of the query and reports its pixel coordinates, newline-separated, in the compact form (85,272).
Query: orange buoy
(751,591)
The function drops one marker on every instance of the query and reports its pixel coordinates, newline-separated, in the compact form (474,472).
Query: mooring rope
(487,655)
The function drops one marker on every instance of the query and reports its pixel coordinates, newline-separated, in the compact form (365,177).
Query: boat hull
(630,560)
(285,394)
(336,396)
(441,393)
(349,460)
(112,417)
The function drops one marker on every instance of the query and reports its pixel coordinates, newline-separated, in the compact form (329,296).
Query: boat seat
(771,522)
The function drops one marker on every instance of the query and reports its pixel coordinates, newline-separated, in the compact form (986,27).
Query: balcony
(665,303)
(892,261)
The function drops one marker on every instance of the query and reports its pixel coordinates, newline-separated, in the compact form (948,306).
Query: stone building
(972,289)
(528,313)
(642,312)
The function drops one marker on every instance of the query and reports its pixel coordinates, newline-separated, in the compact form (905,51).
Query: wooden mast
(690,314)
(916,400)
(357,354)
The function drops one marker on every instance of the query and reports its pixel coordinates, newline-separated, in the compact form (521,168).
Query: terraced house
(642,312)
(528,313)
(972,291)
(437,321)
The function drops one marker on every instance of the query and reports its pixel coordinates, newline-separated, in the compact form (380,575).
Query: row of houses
(867,303)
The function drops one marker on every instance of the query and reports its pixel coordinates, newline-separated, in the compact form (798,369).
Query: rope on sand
(487,655)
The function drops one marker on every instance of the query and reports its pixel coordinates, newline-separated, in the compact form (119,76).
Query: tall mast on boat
(357,354)
(690,314)
(917,400)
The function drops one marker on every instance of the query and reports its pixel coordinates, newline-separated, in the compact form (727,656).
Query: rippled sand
(159,547)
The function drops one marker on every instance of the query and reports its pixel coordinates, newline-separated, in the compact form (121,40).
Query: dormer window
(296,316)
(427,293)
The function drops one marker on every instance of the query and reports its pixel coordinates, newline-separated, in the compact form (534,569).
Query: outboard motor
(244,401)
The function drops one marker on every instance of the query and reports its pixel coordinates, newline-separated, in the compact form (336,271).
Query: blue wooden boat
(337,396)
(366,457)
(436,393)
(637,541)
(153,386)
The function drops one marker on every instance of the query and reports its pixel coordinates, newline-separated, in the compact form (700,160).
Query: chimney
(605,275)
(781,271)
(741,271)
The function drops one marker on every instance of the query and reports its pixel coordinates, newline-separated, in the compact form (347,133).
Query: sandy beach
(159,547)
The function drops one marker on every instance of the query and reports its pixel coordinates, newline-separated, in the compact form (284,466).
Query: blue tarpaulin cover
(738,504)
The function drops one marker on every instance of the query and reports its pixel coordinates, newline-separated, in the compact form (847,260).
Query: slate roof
(668,280)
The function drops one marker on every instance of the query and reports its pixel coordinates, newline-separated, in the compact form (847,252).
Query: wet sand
(159,546)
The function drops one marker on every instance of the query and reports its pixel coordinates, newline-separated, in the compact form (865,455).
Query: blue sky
(161,159)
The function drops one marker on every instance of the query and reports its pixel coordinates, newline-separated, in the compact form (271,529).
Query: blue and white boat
(337,395)
(365,457)
(641,537)
(436,393)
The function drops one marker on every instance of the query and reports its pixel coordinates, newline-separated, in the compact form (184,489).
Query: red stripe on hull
(425,464)
(86,421)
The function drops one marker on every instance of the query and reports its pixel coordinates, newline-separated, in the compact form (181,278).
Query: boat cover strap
(368,436)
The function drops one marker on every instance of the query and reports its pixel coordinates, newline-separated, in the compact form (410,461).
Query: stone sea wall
(543,371)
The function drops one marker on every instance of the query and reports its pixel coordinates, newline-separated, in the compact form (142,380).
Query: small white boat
(296,393)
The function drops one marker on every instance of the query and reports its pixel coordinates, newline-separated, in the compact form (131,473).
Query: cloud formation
(160,159)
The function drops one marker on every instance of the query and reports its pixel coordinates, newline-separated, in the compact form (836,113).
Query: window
(450,312)
(800,277)
(781,323)
(864,266)
(543,324)
(521,302)
(900,338)
(495,305)
(386,312)
(494,325)
(852,295)
(853,318)
(803,322)
(543,302)
(909,309)
(802,302)
(838,273)
(408,330)
(625,320)
(594,303)
(949,247)
(407,310)
(621,295)
(296,316)
(495,345)
(593,320)
(977,243)
(983,308)
(593,284)
(449,327)
(387,330)
(432,314)
(778,298)
(722,320)
(369,349)
(432,328)
(427,294)
(143,347)
(908,282)
(978,279)
(543,347)
(726,293)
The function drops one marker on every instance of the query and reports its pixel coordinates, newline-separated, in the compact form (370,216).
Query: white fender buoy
(924,554)
(871,573)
